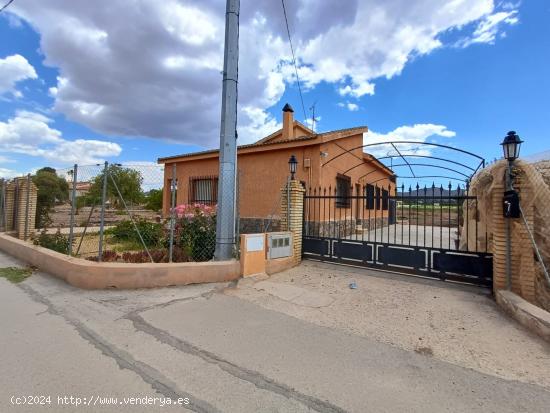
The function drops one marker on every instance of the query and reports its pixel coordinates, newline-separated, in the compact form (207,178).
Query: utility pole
(225,224)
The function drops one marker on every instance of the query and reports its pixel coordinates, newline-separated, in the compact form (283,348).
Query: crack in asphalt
(150,375)
(156,379)
(251,376)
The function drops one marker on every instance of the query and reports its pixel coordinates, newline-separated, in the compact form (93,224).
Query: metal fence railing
(122,213)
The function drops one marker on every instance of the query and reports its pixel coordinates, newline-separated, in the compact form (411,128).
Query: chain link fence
(122,213)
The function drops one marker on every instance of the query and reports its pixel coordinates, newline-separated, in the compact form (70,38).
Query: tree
(128,182)
(153,200)
(51,189)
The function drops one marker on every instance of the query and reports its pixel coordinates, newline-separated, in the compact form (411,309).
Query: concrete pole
(225,224)
(172,212)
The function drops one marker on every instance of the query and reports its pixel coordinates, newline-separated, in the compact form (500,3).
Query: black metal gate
(430,231)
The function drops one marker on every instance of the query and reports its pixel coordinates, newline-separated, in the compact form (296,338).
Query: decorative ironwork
(427,231)
(469,170)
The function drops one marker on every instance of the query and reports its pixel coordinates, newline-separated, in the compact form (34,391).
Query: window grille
(343,185)
(203,190)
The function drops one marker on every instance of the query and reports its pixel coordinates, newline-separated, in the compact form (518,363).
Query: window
(385,199)
(369,194)
(378,198)
(203,190)
(343,185)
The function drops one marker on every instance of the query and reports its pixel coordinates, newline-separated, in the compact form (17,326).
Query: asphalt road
(221,353)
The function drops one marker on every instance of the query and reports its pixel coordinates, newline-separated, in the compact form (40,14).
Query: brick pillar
(10,205)
(499,235)
(523,266)
(292,194)
(29,192)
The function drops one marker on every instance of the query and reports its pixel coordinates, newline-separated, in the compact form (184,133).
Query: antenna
(313,120)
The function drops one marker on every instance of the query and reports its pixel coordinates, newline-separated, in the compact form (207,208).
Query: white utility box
(279,244)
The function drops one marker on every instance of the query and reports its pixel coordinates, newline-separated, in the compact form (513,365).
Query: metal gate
(430,231)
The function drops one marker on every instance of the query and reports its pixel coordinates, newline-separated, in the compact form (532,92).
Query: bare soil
(458,324)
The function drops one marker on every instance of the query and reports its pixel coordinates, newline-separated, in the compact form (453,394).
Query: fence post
(17,198)
(73,207)
(172,212)
(102,215)
(292,209)
(3,215)
(27,200)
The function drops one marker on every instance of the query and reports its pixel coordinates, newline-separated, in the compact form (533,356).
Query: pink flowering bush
(195,231)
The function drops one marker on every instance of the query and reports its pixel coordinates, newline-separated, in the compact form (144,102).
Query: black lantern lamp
(292,165)
(511,146)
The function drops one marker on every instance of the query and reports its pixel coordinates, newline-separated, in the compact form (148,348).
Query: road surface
(220,353)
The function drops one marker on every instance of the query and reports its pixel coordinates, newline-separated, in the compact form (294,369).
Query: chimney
(288,122)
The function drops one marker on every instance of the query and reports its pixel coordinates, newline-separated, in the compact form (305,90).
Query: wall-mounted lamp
(511,146)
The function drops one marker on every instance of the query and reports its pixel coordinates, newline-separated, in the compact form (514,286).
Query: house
(82,188)
(332,159)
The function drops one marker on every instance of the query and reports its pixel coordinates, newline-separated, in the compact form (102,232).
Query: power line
(293,60)
(6,5)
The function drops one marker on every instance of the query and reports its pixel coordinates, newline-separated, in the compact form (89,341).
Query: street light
(292,164)
(511,146)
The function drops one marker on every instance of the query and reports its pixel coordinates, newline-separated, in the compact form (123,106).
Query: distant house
(82,188)
(332,159)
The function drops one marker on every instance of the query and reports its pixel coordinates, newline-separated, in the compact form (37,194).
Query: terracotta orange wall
(261,177)
(328,172)
(263,174)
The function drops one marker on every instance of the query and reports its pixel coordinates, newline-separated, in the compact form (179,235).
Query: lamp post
(292,165)
(510,146)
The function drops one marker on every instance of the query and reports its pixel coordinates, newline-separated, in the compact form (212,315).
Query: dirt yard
(61,216)
(457,324)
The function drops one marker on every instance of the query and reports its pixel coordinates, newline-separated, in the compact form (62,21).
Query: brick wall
(527,279)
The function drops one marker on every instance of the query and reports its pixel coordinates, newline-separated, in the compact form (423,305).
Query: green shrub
(152,232)
(196,230)
(153,200)
(56,242)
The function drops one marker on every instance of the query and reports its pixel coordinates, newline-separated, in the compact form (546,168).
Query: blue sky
(470,95)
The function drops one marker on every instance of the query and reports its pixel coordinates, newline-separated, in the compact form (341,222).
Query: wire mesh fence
(133,213)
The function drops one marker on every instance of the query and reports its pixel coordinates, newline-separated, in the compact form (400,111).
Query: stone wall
(533,185)
(258,225)
(343,228)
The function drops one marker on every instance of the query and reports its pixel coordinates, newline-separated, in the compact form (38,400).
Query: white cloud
(491,27)
(151,172)
(415,133)
(352,107)
(14,69)
(29,133)
(8,173)
(309,123)
(156,72)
